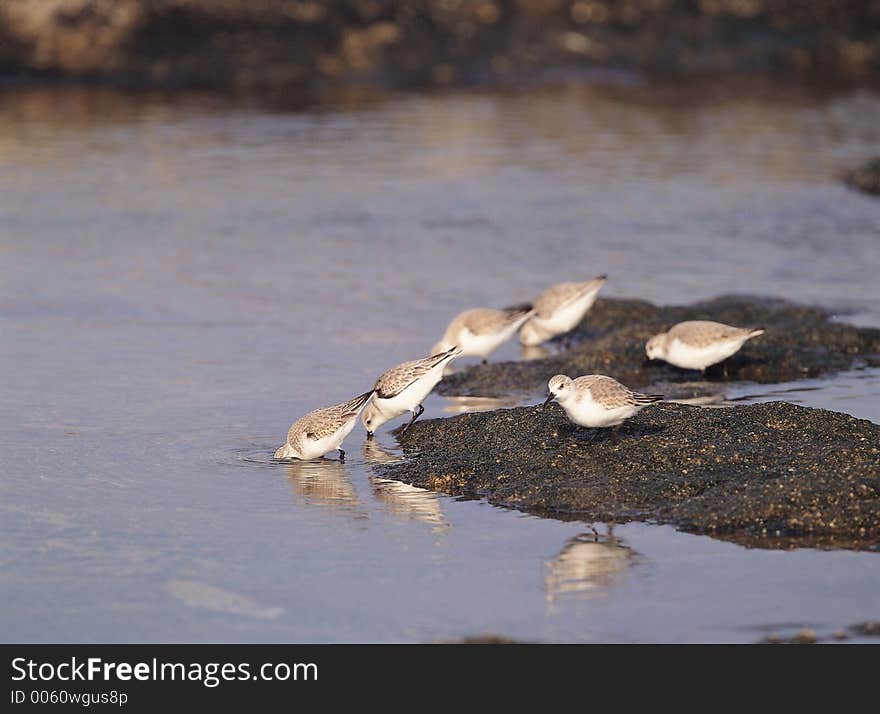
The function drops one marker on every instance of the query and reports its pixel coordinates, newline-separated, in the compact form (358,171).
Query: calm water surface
(182,277)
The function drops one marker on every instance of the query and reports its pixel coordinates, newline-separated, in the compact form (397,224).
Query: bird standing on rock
(597,401)
(560,309)
(482,330)
(403,389)
(698,344)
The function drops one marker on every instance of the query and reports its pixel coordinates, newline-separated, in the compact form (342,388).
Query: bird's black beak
(550,398)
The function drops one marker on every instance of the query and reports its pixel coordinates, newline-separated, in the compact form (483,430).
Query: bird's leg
(615,434)
(416,414)
(724,365)
(485,361)
(369,435)
(341,456)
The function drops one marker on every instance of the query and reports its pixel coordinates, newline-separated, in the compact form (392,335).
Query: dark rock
(305,43)
(866,178)
(870,628)
(769,475)
(800,342)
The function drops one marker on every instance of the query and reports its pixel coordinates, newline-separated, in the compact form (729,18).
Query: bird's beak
(550,398)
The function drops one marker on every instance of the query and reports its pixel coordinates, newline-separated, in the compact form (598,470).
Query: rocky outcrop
(800,342)
(769,475)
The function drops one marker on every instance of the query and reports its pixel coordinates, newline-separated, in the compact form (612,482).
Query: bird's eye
(561,386)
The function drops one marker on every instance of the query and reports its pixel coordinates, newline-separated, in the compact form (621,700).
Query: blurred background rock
(253,44)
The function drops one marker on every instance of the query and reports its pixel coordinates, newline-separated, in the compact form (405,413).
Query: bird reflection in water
(460,405)
(400,499)
(324,482)
(527,353)
(410,503)
(375,453)
(587,566)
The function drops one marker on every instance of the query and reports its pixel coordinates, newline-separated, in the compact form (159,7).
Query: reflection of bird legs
(416,415)
(722,368)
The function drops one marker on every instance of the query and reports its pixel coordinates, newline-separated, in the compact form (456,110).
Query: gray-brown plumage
(557,296)
(484,320)
(611,394)
(403,389)
(481,330)
(595,400)
(559,309)
(398,378)
(702,333)
(322,430)
(698,344)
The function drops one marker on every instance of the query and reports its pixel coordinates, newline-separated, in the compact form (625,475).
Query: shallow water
(181,277)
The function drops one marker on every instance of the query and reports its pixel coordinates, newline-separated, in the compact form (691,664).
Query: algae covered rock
(768,475)
(800,342)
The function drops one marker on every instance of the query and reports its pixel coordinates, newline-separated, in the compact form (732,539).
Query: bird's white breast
(585,411)
(410,397)
(480,345)
(568,316)
(312,449)
(690,357)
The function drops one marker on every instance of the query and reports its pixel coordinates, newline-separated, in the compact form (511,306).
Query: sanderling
(481,330)
(403,389)
(322,430)
(587,563)
(559,310)
(595,400)
(698,344)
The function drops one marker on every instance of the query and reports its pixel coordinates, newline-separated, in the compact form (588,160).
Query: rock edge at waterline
(771,475)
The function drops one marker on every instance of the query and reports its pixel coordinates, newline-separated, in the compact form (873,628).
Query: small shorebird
(595,400)
(403,389)
(698,344)
(559,310)
(322,430)
(482,330)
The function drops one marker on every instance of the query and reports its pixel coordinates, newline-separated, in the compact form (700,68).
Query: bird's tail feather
(453,351)
(648,398)
(355,405)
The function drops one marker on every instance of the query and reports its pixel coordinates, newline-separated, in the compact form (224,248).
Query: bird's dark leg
(416,415)
(341,456)
(615,434)
(369,435)
(485,361)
